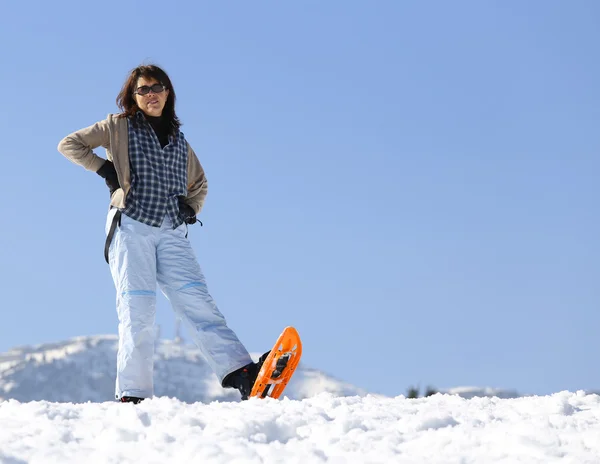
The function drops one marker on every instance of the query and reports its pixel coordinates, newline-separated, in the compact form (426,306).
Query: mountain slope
(83,369)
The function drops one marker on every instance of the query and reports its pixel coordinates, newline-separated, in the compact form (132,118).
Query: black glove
(186,212)
(108,173)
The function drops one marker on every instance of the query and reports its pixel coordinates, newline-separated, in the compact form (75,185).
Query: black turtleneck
(161,129)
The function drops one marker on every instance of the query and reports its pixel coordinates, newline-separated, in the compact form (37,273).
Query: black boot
(130,399)
(243,379)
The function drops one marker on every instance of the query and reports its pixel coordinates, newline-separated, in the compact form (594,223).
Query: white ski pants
(141,256)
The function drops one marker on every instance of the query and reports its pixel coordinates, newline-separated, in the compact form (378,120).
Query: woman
(157,186)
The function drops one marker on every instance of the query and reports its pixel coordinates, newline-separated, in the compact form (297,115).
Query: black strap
(113,226)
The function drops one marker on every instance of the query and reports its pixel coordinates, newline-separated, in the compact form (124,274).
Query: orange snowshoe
(279,366)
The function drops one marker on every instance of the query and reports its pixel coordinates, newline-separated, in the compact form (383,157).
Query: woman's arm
(79,146)
(197,183)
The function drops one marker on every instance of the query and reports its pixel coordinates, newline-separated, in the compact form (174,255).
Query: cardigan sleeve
(197,183)
(79,146)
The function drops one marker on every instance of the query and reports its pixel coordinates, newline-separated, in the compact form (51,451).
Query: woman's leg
(180,277)
(132,259)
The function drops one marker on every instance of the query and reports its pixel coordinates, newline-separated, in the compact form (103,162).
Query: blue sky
(413,185)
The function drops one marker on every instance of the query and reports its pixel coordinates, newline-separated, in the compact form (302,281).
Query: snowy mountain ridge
(82,369)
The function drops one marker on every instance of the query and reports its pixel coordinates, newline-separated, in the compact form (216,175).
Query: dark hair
(126,101)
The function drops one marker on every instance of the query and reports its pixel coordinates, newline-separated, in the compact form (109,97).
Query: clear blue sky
(413,185)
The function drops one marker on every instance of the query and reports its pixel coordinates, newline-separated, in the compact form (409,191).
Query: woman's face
(153,102)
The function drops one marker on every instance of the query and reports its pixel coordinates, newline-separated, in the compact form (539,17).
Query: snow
(57,406)
(444,428)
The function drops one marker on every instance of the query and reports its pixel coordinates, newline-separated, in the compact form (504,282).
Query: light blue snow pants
(141,256)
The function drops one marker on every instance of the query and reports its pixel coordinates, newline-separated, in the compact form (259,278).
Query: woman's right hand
(109,174)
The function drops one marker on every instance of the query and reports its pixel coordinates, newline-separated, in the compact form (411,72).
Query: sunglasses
(146,89)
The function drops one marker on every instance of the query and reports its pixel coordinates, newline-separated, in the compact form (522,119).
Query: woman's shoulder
(116,120)
(181,138)
(115,117)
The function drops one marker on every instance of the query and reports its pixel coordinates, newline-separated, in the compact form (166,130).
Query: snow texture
(563,427)
(57,406)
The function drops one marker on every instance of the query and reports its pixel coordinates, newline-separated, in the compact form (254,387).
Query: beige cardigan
(112,134)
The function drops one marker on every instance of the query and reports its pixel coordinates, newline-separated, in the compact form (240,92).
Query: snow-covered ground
(57,406)
(564,427)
